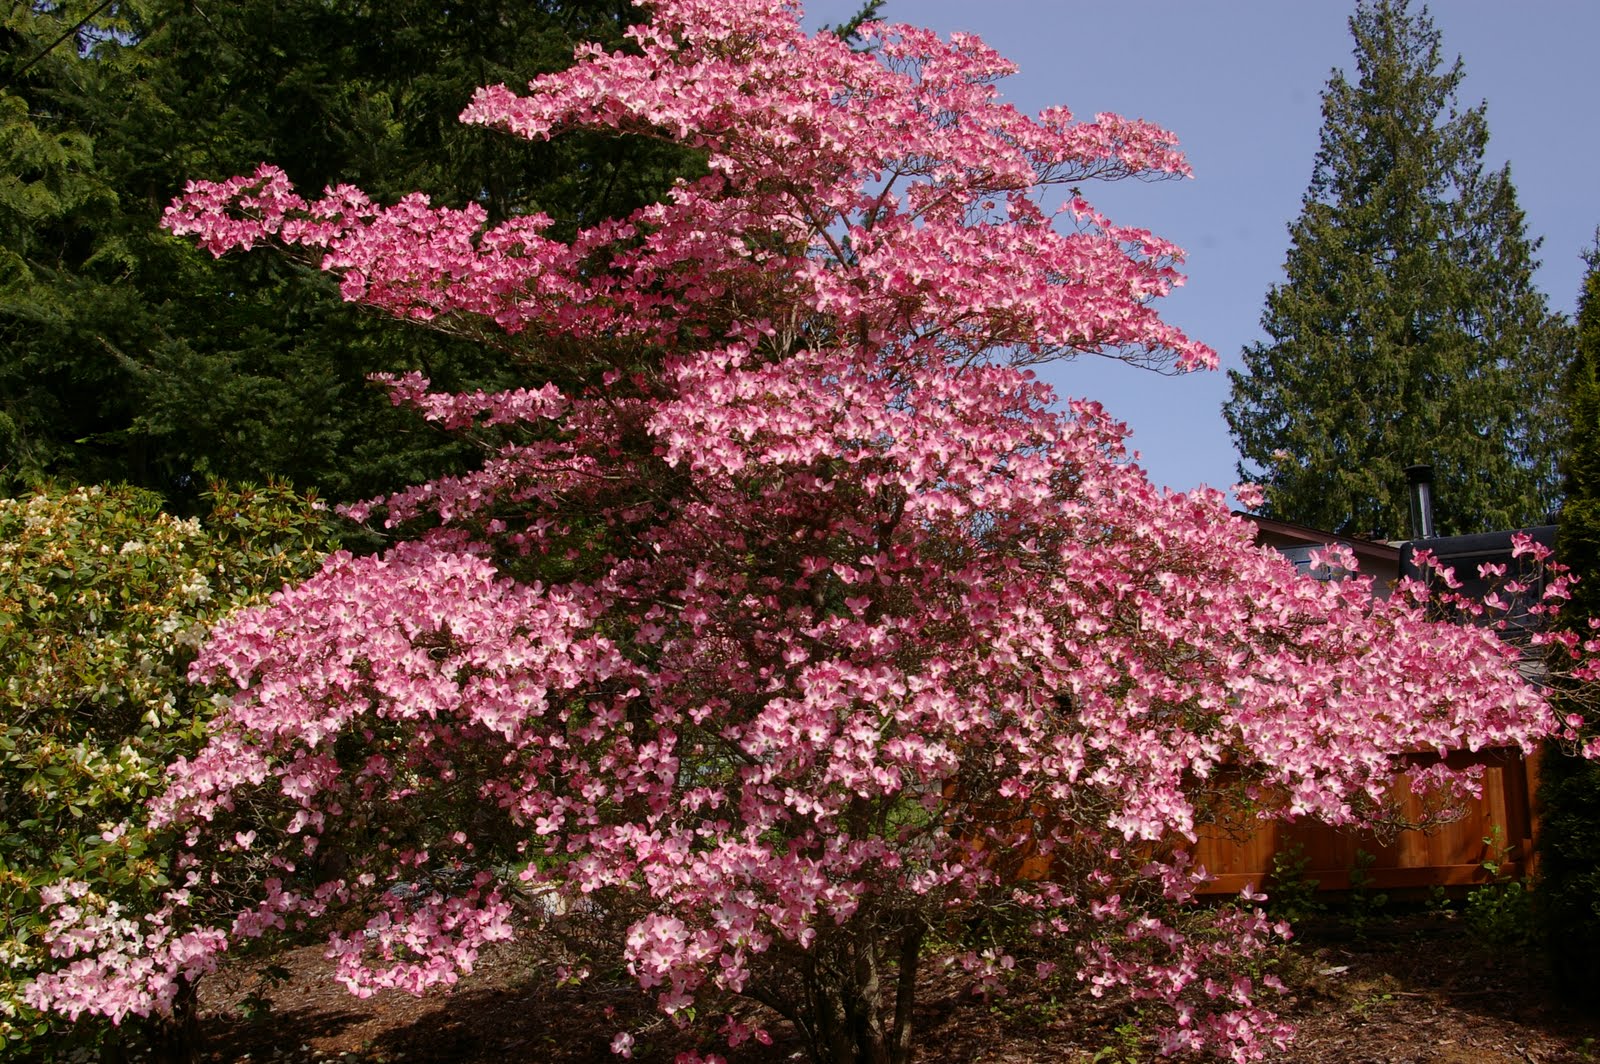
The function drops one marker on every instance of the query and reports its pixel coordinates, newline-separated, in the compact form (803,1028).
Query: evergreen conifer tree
(1569,795)
(1407,328)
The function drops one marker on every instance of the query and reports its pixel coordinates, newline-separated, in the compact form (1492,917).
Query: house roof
(1376,557)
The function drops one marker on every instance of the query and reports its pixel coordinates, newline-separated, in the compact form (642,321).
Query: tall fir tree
(1569,788)
(1407,328)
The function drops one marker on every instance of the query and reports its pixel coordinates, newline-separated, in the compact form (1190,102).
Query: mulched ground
(1420,988)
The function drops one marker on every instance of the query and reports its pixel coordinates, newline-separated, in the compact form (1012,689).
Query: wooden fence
(1496,828)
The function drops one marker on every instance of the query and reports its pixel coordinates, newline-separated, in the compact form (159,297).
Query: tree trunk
(905,997)
(176,1039)
(849,1024)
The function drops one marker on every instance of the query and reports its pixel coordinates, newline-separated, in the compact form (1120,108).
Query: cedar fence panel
(1451,855)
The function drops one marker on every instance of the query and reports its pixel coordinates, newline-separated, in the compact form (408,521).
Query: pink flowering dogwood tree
(789,620)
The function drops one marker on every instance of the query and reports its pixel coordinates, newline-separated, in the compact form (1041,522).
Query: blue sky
(1240,82)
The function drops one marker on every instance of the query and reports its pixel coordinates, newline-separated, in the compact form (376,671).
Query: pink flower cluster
(809,611)
(422,943)
(120,964)
(813,148)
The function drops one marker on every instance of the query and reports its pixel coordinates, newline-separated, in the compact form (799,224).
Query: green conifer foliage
(1569,794)
(1407,328)
(128,355)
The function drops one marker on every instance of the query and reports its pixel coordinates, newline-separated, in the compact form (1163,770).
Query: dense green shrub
(103,599)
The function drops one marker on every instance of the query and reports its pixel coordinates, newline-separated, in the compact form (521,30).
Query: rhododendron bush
(789,619)
(104,599)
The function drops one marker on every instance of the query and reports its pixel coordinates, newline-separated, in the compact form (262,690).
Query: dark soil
(1416,989)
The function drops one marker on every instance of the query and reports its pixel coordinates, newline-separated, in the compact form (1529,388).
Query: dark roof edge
(1444,548)
(1369,547)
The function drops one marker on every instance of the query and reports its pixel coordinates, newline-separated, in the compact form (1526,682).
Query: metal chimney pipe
(1419,479)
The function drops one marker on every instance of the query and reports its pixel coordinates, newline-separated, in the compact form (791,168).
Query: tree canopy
(1407,328)
(785,614)
(1569,789)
